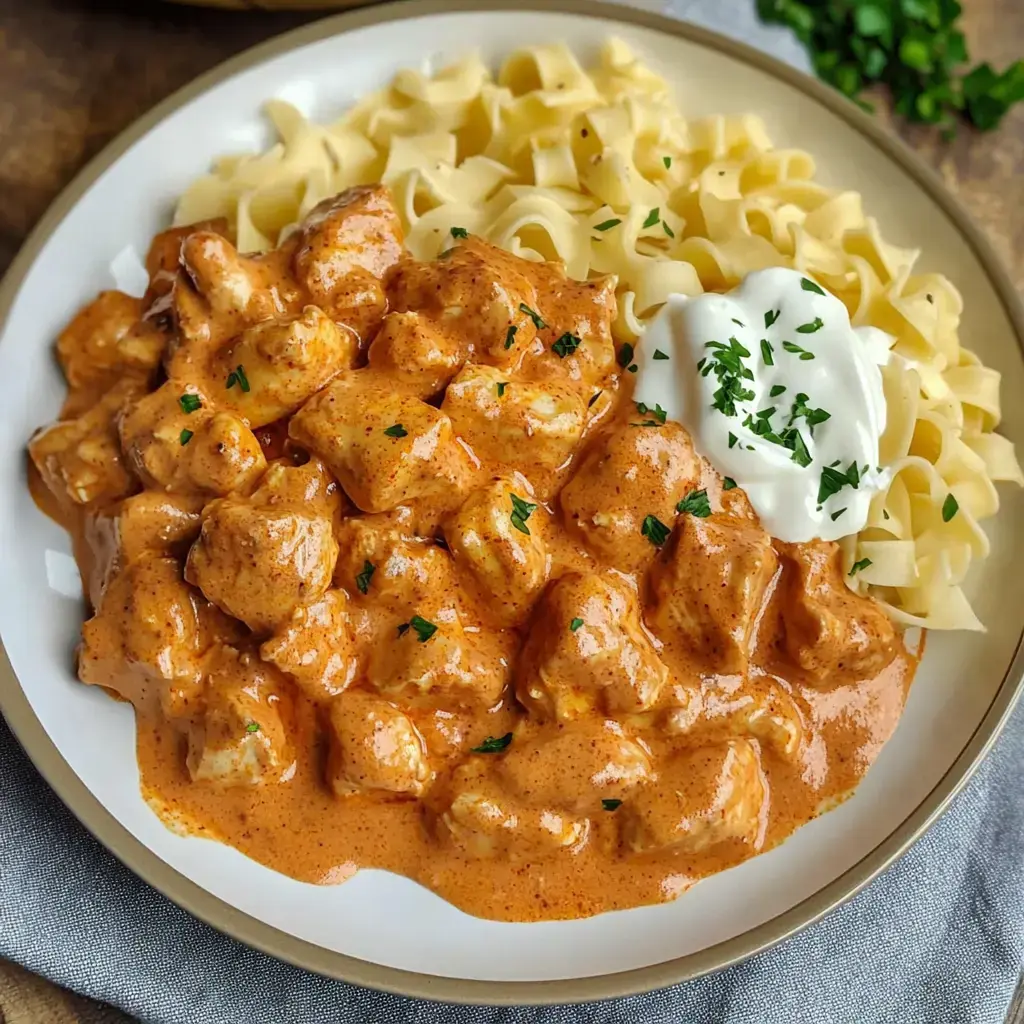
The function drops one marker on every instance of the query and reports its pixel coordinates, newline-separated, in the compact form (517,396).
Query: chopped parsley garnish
(625,356)
(777,389)
(185,437)
(810,286)
(770,317)
(655,530)
(667,161)
(767,352)
(501,385)
(607,225)
(363,578)
(728,483)
(833,481)
(696,504)
(521,511)
(493,744)
(653,217)
(732,439)
(611,805)
(802,410)
(836,515)
(459,233)
(593,398)
(795,442)
(796,350)
(253,727)
(668,231)
(885,515)
(657,412)
(658,354)
(857,566)
(726,361)
(575,624)
(396,430)
(566,345)
(738,323)
(237,376)
(812,328)
(534,316)
(189,403)
(950,507)
(632,368)
(424,630)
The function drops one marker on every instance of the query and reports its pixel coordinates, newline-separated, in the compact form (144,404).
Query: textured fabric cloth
(939,939)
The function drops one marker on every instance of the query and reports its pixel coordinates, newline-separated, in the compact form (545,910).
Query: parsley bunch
(912,46)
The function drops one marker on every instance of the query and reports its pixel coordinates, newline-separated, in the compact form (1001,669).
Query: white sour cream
(834,365)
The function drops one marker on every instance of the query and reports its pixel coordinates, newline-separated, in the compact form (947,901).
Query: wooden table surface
(73,73)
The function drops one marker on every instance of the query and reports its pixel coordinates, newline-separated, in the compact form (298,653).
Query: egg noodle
(601,169)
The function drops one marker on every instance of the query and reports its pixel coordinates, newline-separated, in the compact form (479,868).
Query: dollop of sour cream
(779,392)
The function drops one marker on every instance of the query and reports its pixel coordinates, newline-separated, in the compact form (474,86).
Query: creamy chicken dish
(397,574)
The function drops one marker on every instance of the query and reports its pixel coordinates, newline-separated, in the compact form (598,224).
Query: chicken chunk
(118,534)
(587,652)
(830,631)
(386,449)
(628,476)
(284,362)
(708,590)
(259,558)
(241,738)
(503,554)
(477,293)
(415,355)
(163,260)
(316,647)
(175,444)
(374,747)
(712,797)
(534,428)
(483,819)
(80,459)
(347,244)
(146,640)
(575,766)
(107,340)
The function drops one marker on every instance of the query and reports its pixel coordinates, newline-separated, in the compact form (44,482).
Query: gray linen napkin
(939,939)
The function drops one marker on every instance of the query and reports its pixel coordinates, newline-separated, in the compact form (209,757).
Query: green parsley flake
(696,504)
(726,361)
(770,317)
(732,440)
(189,403)
(253,727)
(655,530)
(237,376)
(767,352)
(810,286)
(738,323)
(657,412)
(607,225)
(185,437)
(836,515)
(534,316)
(593,398)
(950,507)
(833,481)
(857,566)
(510,336)
(812,328)
(796,350)
(728,483)
(777,389)
(501,386)
(363,578)
(459,233)
(521,511)
(396,430)
(611,805)
(424,630)
(667,161)
(575,624)
(493,744)
(658,354)
(668,231)
(653,217)
(632,368)
(625,356)
(566,345)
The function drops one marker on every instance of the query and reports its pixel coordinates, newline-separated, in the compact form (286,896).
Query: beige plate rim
(19,714)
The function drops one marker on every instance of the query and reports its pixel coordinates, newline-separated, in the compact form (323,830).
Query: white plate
(955,706)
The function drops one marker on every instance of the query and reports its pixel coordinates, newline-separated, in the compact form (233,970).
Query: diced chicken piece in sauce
(347,244)
(107,340)
(587,651)
(415,355)
(259,558)
(148,522)
(374,747)
(80,460)
(534,428)
(574,766)
(484,820)
(174,444)
(478,293)
(627,476)
(708,798)
(277,365)
(146,640)
(708,589)
(163,260)
(316,647)
(831,631)
(241,738)
(503,553)
(385,448)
